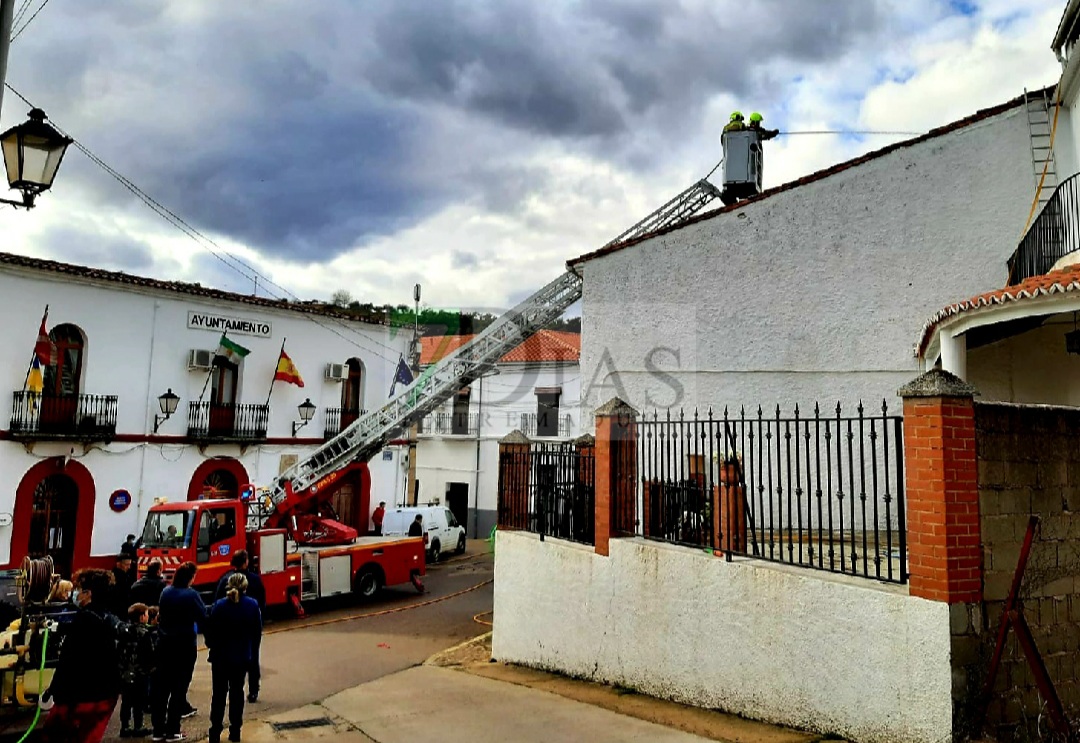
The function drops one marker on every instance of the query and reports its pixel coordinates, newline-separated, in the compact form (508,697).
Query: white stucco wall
(499,401)
(814,294)
(779,644)
(1032,367)
(137,344)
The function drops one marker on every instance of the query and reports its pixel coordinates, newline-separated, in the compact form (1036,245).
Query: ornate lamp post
(32,154)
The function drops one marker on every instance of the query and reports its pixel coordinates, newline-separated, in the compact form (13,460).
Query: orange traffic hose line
(395,610)
(476,618)
(383,612)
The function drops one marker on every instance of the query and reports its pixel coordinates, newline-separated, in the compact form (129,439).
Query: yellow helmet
(756,117)
(737,116)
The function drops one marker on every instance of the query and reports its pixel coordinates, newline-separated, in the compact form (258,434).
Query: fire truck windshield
(168,529)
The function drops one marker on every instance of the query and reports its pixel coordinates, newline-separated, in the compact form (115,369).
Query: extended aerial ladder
(371,432)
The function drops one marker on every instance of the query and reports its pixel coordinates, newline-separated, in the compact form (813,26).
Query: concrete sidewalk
(459,695)
(429,702)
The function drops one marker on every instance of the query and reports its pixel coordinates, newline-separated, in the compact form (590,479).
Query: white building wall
(137,344)
(784,645)
(814,294)
(1033,367)
(499,401)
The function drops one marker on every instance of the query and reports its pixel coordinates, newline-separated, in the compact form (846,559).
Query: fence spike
(817,410)
(860,409)
(796,411)
(884,406)
(838,408)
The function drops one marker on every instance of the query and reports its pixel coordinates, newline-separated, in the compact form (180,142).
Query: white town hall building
(82,464)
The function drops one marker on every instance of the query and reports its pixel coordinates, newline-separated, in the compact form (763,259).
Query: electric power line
(21,12)
(28,20)
(205,242)
(855,131)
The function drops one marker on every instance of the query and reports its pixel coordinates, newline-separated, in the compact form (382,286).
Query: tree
(341,298)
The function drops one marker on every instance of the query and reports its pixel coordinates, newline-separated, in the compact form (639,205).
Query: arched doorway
(52,521)
(221,477)
(54,515)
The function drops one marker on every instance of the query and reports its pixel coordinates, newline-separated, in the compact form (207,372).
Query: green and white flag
(231,350)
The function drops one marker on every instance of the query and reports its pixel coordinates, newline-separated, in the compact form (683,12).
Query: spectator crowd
(136,642)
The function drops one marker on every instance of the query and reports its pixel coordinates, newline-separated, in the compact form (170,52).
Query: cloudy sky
(469,145)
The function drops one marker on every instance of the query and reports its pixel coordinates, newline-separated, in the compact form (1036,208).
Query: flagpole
(31,365)
(274,377)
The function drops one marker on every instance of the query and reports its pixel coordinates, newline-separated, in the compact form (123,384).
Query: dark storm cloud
(588,69)
(305,131)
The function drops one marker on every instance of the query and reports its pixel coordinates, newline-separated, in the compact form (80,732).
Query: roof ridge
(177,287)
(979,115)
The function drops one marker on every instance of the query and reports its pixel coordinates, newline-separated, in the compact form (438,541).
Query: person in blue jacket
(234,626)
(181,613)
(256,590)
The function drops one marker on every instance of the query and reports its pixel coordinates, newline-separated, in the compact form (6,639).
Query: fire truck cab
(210,532)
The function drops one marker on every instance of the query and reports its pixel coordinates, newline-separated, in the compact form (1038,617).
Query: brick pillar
(943,535)
(616,472)
(729,519)
(513,509)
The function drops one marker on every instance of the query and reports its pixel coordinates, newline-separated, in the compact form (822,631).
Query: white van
(442,532)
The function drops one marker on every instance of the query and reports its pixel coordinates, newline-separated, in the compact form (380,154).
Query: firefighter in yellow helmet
(756,120)
(736,123)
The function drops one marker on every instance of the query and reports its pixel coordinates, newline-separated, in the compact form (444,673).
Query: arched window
(352,392)
(63,378)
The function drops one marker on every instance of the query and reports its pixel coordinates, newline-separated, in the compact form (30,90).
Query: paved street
(338,646)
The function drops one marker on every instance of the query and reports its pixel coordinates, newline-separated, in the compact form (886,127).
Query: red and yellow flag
(287,371)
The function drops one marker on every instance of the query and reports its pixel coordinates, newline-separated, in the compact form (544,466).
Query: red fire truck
(300,555)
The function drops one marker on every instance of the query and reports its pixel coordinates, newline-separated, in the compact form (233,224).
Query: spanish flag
(287,371)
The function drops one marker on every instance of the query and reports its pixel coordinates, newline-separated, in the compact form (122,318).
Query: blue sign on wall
(119,500)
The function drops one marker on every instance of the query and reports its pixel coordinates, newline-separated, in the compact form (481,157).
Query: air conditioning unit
(200,358)
(337,372)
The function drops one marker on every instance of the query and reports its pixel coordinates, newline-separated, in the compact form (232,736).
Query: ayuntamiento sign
(224,323)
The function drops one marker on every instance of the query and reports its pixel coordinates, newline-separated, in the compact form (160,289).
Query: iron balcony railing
(338,419)
(65,416)
(450,424)
(227,421)
(822,491)
(557,426)
(1054,234)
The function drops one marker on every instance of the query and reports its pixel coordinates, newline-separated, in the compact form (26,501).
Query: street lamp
(167,403)
(32,154)
(307,411)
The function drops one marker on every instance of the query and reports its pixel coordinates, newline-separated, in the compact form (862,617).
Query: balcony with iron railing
(1054,234)
(211,421)
(449,424)
(556,427)
(338,419)
(81,417)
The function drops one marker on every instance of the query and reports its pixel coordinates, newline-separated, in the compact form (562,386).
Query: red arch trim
(230,465)
(24,506)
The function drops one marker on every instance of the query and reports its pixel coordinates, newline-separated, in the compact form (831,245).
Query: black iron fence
(548,489)
(824,491)
(337,420)
(74,416)
(213,420)
(1053,234)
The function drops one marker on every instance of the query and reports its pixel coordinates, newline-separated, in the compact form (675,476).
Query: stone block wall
(1029,463)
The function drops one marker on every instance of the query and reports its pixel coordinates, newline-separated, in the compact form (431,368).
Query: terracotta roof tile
(978,116)
(179,287)
(545,345)
(1055,282)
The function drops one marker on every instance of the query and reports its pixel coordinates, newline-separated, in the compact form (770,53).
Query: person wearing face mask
(86,684)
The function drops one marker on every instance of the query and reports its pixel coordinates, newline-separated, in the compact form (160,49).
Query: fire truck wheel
(368,582)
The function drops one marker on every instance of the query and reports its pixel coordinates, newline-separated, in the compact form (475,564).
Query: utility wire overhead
(22,10)
(205,243)
(855,131)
